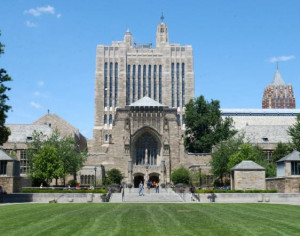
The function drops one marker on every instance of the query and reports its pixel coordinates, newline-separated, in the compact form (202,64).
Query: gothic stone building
(278,94)
(140,96)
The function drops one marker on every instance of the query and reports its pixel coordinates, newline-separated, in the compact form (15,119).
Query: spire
(162,17)
(278,80)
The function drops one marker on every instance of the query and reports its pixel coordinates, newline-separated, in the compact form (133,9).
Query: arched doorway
(154,177)
(146,150)
(137,180)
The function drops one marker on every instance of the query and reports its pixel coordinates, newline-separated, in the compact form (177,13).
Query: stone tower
(127,71)
(278,94)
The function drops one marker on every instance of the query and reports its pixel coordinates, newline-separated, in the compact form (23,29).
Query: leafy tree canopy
(204,125)
(281,150)
(180,175)
(4,108)
(294,132)
(114,176)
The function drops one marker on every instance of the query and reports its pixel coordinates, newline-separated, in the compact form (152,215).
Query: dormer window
(265,139)
(29,138)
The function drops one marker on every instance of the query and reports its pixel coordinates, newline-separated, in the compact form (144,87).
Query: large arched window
(146,150)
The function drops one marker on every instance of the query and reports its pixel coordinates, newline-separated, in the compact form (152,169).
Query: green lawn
(149,219)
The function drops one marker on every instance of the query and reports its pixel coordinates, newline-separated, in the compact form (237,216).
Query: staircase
(132,195)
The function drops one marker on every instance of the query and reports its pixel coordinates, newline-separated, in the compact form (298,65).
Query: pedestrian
(149,186)
(141,189)
(157,187)
(192,190)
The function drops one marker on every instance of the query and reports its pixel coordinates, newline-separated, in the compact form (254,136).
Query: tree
(114,176)
(281,150)
(180,175)
(294,132)
(68,159)
(221,155)
(4,108)
(204,125)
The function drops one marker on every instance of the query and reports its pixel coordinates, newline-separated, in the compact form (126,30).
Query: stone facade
(284,184)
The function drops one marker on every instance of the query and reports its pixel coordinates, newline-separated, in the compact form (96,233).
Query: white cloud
(58,16)
(281,58)
(31,24)
(35,105)
(39,94)
(41,83)
(40,10)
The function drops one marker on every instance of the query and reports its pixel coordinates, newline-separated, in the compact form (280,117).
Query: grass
(149,219)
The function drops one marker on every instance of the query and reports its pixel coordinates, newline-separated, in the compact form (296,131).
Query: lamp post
(95,169)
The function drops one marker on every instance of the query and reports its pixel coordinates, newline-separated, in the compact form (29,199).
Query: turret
(162,35)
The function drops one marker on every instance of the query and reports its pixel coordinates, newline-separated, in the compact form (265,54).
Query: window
(149,81)
(133,83)
(177,85)
(128,86)
(160,84)
(172,76)
(295,167)
(23,162)
(139,81)
(3,166)
(154,82)
(110,119)
(106,137)
(183,83)
(144,81)
(116,84)
(183,119)
(105,119)
(105,84)
(110,83)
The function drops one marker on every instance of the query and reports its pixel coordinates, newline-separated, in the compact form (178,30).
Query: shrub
(236,191)
(73,183)
(180,175)
(46,190)
(114,176)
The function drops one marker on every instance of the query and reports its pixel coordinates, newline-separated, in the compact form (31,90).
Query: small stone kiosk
(247,175)
(287,178)
(10,180)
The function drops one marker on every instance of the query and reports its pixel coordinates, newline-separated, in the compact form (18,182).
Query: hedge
(236,191)
(31,190)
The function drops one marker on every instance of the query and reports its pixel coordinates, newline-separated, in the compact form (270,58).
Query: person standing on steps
(141,189)
(157,187)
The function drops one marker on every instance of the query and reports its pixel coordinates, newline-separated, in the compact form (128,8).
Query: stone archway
(137,179)
(146,150)
(154,177)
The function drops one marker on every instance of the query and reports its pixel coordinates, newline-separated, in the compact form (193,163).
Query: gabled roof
(278,80)
(4,156)
(146,102)
(247,165)
(294,156)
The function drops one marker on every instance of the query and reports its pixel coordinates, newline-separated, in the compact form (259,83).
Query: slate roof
(261,112)
(278,80)
(293,156)
(21,132)
(247,165)
(4,156)
(146,102)
(266,133)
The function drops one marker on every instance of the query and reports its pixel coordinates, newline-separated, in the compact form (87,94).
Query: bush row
(236,191)
(30,190)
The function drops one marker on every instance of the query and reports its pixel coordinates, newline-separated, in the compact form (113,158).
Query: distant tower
(278,94)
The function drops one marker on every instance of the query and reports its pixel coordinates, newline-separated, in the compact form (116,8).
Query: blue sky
(51,46)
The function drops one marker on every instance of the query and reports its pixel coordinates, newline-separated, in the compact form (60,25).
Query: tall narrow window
(105,84)
(110,83)
(3,165)
(160,84)
(139,82)
(154,82)
(116,84)
(105,119)
(23,161)
(177,85)
(183,119)
(133,83)
(144,81)
(110,119)
(183,84)
(149,81)
(128,86)
(172,77)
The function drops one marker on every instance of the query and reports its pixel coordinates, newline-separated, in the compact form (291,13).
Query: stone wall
(284,184)
(10,184)
(242,180)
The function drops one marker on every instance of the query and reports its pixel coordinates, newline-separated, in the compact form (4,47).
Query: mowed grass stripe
(149,219)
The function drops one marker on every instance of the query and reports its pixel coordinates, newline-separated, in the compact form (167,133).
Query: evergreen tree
(204,125)
(294,132)
(4,108)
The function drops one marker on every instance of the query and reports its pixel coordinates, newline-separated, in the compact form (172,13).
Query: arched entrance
(154,177)
(137,180)
(146,150)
